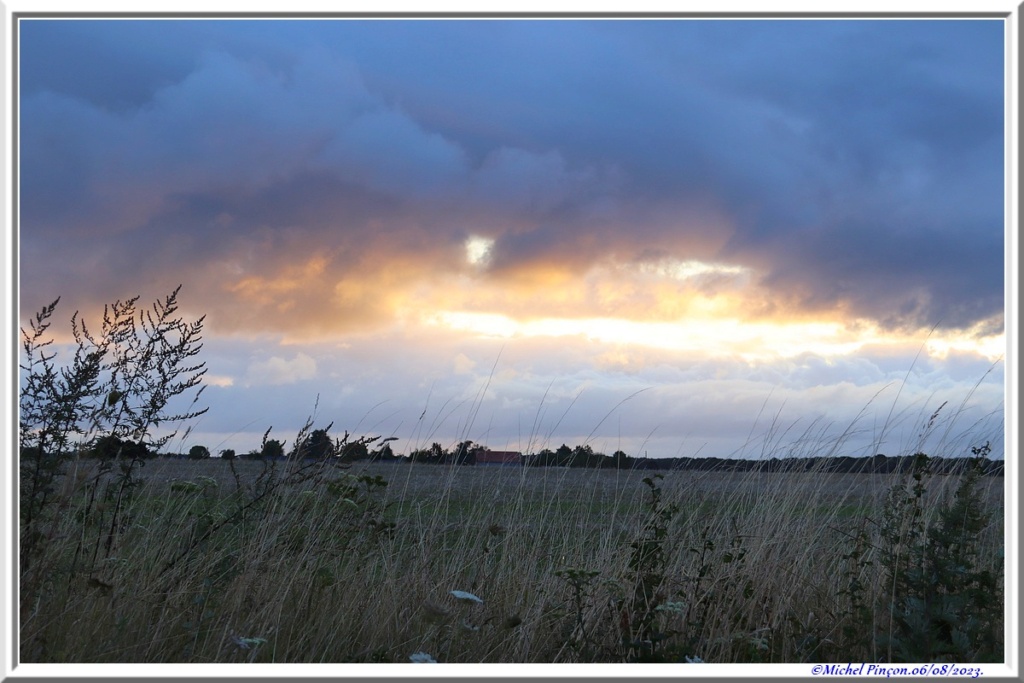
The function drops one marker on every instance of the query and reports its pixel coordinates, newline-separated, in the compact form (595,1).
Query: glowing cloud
(713,337)
(685,270)
(717,337)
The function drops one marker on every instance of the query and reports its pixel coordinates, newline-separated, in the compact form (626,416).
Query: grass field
(185,561)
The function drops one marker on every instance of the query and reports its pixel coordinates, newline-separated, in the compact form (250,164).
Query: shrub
(943,605)
(198,453)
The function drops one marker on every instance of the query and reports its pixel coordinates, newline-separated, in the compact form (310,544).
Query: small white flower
(467,597)
(422,658)
(247,643)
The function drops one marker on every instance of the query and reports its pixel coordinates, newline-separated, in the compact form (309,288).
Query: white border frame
(201,9)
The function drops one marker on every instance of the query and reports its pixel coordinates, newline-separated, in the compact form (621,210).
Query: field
(184,561)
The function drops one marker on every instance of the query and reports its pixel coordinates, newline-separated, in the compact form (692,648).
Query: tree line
(319,445)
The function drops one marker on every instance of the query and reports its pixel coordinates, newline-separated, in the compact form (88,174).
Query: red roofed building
(499,458)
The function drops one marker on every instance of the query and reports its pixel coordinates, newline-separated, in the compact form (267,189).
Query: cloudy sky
(672,237)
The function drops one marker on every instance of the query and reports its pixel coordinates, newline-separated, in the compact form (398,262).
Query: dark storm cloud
(900,213)
(908,279)
(853,164)
(67,56)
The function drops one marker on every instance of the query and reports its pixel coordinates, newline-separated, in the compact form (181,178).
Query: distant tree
(384,453)
(106,447)
(227,454)
(563,456)
(465,453)
(621,461)
(198,453)
(354,450)
(433,455)
(109,447)
(272,449)
(544,458)
(438,453)
(317,445)
(584,456)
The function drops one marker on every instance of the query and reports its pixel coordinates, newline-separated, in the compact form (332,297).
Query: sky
(675,238)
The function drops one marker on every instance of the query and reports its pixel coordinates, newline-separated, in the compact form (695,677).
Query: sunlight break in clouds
(478,249)
(690,306)
(713,337)
(716,337)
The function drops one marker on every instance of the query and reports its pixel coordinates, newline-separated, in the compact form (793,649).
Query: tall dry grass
(755,568)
